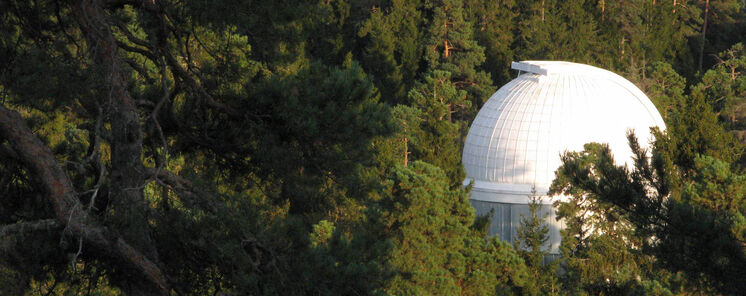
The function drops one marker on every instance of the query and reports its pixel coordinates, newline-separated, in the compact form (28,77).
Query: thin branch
(139,69)
(31,226)
(166,96)
(184,188)
(54,180)
(134,49)
(123,29)
(186,76)
(64,199)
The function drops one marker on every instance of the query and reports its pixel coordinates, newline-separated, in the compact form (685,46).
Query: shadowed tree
(682,233)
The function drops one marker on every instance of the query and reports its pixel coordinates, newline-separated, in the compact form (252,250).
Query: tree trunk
(406,151)
(127,170)
(446,52)
(128,244)
(732,73)
(704,36)
(68,210)
(542,11)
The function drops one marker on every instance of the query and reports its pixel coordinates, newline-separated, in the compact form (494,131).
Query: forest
(313,147)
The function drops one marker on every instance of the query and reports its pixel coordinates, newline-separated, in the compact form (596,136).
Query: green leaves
(434,250)
(441,135)
(607,215)
(716,187)
(321,234)
(665,87)
(694,231)
(439,98)
(724,86)
(532,234)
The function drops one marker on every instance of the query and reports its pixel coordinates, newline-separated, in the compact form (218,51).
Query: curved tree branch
(68,210)
(130,244)
(184,189)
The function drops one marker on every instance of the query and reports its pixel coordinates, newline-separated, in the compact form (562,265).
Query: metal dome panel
(515,142)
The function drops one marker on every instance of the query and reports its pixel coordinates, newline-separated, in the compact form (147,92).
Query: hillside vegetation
(271,147)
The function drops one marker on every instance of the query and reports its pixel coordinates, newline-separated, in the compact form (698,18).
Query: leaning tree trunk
(127,173)
(68,210)
(127,244)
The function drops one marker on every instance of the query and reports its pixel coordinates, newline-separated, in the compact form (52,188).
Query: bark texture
(126,143)
(131,242)
(67,208)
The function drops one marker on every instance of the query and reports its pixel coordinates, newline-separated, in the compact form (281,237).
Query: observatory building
(515,142)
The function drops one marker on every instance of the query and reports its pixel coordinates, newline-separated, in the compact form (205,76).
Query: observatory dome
(515,142)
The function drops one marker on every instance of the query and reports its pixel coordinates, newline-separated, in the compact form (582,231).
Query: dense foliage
(313,147)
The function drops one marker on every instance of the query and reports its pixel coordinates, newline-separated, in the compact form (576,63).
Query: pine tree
(717,17)
(665,88)
(393,49)
(613,206)
(433,250)
(532,235)
(556,30)
(493,30)
(451,47)
(694,130)
(637,34)
(451,89)
(600,247)
(441,138)
(724,86)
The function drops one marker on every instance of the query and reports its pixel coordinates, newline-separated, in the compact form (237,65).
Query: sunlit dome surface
(515,142)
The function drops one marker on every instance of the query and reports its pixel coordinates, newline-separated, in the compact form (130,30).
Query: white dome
(515,142)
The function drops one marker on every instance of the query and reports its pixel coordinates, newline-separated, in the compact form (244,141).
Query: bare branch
(31,226)
(64,200)
(123,29)
(179,71)
(134,49)
(139,69)
(184,188)
(126,147)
